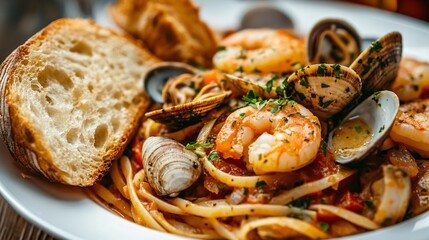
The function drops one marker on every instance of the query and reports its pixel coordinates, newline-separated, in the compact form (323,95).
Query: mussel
(364,129)
(169,167)
(333,41)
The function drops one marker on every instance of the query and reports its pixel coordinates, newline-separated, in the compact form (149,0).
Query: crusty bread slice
(170,29)
(71,99)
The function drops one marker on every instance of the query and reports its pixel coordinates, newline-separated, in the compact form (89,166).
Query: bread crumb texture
(79,87)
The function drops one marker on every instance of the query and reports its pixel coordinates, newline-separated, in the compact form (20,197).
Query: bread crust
(170,29)
(23,141)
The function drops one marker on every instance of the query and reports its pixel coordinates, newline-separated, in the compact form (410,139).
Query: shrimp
(412,81)
(411,127)
(261,51)
(280,137)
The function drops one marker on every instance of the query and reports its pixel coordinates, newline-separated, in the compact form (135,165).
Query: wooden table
(13,226)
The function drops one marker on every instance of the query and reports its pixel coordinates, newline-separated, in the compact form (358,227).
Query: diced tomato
(351,201)
(322,166)
(325,216)
(229,167)
(136,149)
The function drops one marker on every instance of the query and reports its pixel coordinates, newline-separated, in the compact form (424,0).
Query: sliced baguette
(170,29)
(71,99)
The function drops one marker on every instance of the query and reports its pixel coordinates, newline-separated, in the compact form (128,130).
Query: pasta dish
(262,143)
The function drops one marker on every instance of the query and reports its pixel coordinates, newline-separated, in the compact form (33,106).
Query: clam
(169,167)
(241,86)
(186,110)
(378,65)
(333,41)
(325,89)
(364,129)
(392,193)
(182,115)
(157,75)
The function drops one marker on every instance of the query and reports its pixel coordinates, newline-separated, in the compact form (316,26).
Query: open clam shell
(156,77)
(333,41)
(378,112)
(325,89)
(242,87)
(378,65)
(183,115)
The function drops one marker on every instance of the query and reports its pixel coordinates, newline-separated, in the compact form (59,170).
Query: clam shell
(169,167)
(379,112)
(378,65)
(325,89)
(396,196)
(242,87)
(158,74)
(183,115)
(344,40)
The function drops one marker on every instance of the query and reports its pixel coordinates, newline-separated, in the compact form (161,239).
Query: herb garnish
(324,145)
(369,204)
(358,129)
(221,48)
(260,184)
(324,226)
(213,156)
(321,70)
(375,46)
(337,70)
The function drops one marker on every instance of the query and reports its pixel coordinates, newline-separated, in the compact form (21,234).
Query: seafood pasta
(242,150)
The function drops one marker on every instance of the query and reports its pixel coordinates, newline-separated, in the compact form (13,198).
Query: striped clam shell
(325,89)
(186,114)
(378,65)
(169,167)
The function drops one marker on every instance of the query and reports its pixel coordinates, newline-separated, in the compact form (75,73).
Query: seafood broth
(352,137)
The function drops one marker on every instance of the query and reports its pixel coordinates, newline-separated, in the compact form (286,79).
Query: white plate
(68,213)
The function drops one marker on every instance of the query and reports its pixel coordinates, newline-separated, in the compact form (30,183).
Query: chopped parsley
(324,226)
(337,70)
(375,46)
(324,85)
(381,129)
(321,70)
(260,184)
(324,145)
(242,115)
(270,85)
(358,129)
(369,204)
(213,156)
(200,153)
(325,104)
(221,48)
(191,146)
(303,202)
(304,82)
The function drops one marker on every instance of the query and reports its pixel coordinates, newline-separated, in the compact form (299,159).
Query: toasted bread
(171,29)
(71,100)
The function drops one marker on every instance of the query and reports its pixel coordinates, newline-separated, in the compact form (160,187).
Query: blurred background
(20,19)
